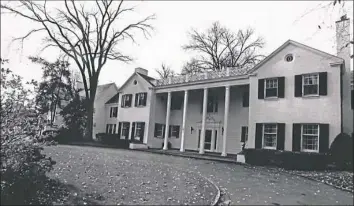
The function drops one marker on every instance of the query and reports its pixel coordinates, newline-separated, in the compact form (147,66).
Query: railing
(228,72)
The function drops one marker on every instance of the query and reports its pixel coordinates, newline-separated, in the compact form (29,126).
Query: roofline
(131,76)
(286,44)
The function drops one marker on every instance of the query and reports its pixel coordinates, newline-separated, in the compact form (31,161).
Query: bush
(341,152)
(113,140)
(286,159)
(67,135)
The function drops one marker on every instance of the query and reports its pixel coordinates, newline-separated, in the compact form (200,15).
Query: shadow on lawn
(55,192)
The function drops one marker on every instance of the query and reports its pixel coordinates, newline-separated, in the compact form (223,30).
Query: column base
(164,148)
(181,150)
(201,152)
(223,154)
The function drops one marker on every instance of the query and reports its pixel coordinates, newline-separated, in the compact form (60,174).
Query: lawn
(109,179)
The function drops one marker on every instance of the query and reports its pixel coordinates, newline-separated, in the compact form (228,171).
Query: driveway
(243,185)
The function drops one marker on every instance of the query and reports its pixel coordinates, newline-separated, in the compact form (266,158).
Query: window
(140,99)
(244,134)
(125,130)
(139,131)
(159,130)
(310,137)
(113,112)
(289,58)
(176,102)
(212,105)
(310,84)
(135,82)
(271,87)
(127,100)
(270,136)
(111,128)
(173,131)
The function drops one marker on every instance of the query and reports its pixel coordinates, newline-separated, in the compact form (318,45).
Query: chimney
(141,71)
(343,39)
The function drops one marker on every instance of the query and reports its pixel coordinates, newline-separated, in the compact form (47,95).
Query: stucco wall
(238,117)
(291,109)
(136,114)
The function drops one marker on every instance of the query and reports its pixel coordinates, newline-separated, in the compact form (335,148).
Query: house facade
(296,99)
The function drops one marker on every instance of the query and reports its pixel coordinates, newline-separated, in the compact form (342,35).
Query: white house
(297,99)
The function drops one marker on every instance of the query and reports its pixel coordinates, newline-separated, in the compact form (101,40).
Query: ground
(114,176)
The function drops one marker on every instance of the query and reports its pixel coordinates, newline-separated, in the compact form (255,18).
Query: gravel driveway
(242,184)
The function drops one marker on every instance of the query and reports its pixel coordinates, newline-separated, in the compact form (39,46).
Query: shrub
(286,159)
(341,152)
(23,167)
(112,140)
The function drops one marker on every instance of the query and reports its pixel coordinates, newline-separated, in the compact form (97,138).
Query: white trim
(318,138)
(276,136)
(303,85)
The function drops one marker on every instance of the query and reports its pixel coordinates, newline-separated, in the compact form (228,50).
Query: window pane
(310,142)
(310,89)
(270,128)
(270,140)
(271,83)
(272,92)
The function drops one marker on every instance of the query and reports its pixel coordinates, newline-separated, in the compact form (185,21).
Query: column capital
(227,87)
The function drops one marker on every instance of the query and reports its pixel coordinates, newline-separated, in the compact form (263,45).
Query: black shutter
(133,130)
(243,134)
(170,131)
(246,96)
(136,100)
(281,87)
(107,128)
(296,137)
(259,135)
(155,130)
(298,85)
(122,101)
(260,88)
(142,131)
(119,129)
(280,136)
(324,138)
(114,128)
(323,83)
(163,130)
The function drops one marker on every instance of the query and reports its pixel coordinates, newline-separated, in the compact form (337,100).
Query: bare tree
(165,71)
(88,36)
(219,47)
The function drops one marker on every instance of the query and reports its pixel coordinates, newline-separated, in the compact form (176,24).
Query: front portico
(211,115)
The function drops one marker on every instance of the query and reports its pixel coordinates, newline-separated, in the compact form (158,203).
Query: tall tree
(89,36)
(165,71)
(55,87)
(218,47)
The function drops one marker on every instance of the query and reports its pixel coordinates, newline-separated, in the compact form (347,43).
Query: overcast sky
(275,21)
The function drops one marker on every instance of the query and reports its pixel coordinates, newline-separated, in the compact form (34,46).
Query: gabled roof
(145,77)
(114,99)
(102,88)
(297,44)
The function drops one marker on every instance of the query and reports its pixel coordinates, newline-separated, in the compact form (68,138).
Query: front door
(207,143)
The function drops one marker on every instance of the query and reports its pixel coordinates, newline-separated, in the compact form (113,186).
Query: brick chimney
(343,51)
(343,39)
(141,71)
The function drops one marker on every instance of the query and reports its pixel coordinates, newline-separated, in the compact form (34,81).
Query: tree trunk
(90,110)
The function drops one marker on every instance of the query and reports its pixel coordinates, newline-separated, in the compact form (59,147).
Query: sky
(275,21)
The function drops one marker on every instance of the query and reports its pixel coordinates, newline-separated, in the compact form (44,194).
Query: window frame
(276,135)
(124,99)
(265,88)
(111,128)
(142,124)
(121,133)
(174,130)
(303,84)
(112,112)
(141,102)
(215,104)
(302,138)
(162,129)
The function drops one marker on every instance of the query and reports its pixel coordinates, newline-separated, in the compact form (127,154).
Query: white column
(202,133)
(130,130)
(185,104)
(168,109)
(212,145)
(226,115)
